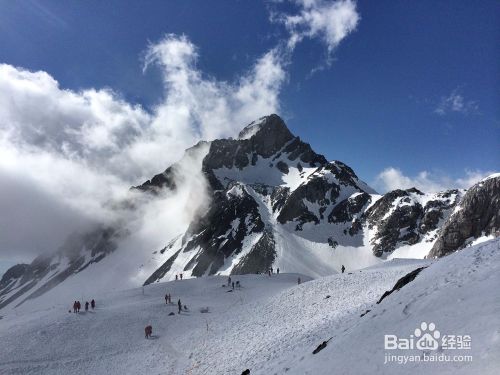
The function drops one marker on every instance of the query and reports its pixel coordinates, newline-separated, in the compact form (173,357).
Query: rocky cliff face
(477,215)
(408,217)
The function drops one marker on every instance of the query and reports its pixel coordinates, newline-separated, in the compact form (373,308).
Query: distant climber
(176,277)
(78,306)
(92,304)
(343,269)
(277,271)
(179,304)
(148,331)
(166,299)
(233,285)
(238,284)
(75,307)
(229,281)
(181,276)
(299,281)
(86,306)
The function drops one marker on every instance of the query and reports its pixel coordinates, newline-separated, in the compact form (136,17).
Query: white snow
(271,325)
(494,175)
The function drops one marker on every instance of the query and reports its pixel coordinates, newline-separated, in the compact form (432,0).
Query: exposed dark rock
(479,215)
(226,213)
(282,166)
(279,196)
(12,274)
(400,219)
(321,346)
(303,151)
(434,210)
(166,180)
(260,258)
(158,182)
(315,190)
(349,208)
(406,279)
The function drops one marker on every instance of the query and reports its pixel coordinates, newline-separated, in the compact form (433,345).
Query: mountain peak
(268,126)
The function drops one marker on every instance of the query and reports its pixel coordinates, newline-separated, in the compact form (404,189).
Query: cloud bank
(64,155)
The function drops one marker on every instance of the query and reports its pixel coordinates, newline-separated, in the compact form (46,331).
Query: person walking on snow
(179,304)
(277,271)
(181,276)
(176,277)
(166,299)
(86,306)
(229,281)
(298,281)
(92,304)
(233,285)
(74,307)
(343,268)
(78,306)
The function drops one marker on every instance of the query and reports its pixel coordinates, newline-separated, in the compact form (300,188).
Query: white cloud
(82,150)
(455,102)
(331,21)
(393,178)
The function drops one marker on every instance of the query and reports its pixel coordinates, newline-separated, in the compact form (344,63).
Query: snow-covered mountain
(271,202)
(271,325)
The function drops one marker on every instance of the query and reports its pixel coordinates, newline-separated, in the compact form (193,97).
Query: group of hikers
(168,300)
(148,330)
(271,270)
(231,283)
(77,306)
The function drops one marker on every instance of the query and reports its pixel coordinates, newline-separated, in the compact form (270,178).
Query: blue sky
(373,107)
(97,96)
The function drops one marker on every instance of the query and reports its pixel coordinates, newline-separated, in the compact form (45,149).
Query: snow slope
(270,325)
